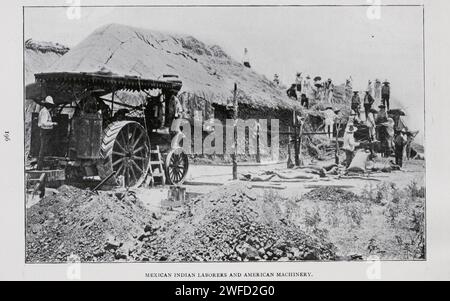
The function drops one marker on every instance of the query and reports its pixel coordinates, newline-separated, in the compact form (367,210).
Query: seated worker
(120,114)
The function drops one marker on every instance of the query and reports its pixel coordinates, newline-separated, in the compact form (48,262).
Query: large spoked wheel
(126,151)
(177,165)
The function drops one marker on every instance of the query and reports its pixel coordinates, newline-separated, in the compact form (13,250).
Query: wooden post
(235,117)
(336,151)
(258,150)
(290,164)
(300,134)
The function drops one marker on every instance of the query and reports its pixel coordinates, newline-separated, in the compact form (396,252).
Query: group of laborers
(306,88)
(374,92)
(382,127)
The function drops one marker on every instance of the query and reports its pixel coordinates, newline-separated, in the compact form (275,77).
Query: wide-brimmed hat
(386,82)
(351,129)
(48,100)
(355,92)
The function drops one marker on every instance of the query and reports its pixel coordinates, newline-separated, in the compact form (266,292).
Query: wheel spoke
(119,153)
(139,149)
(139,158)
(120,170)
(124,139)
(118,161)
(134,174)
(120,145)
(141,134)
(137,166)
(127,176)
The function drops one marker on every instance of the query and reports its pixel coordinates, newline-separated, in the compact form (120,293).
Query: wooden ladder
(156,169)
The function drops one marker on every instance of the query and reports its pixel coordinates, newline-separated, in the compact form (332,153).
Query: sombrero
(48,100)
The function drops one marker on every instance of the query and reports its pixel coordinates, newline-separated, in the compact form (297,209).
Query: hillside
(206,70)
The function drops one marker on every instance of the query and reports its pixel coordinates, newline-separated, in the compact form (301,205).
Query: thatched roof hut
(207,72)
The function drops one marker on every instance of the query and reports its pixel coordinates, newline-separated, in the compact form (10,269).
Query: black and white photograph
(255,141)
(203,134)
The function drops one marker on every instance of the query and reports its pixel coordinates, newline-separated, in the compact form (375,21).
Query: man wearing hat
(382,115)
(356,102)
(45,125)
(349,144)
(385,94)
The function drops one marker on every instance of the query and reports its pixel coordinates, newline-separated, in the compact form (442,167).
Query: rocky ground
(236,221)
(229,224)
(234,224)
(95,227)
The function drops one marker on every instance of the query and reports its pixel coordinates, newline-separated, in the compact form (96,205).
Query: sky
(332,42)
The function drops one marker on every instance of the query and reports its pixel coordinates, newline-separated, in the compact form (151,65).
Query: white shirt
(45,119)
(329,116)
(349,142)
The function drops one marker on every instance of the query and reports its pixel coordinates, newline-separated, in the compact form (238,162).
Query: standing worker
(400,142)
(356,102)
(245,59)
(390,136)
(330,117)
(298,84)
(368,102)
(276,79)
(45,125)
(386,94)
(370,122)
(377,89)
(349,145)
(370,87)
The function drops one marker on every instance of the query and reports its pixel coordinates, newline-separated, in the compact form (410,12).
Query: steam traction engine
(97,134)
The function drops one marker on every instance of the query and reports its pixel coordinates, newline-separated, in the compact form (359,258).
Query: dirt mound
(95,227)
(230,224)
(331,194)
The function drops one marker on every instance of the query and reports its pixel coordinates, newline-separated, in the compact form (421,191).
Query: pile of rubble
(231,224)
(331,194)
(93,226)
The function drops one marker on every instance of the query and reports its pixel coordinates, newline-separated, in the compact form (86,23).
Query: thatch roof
(204,70)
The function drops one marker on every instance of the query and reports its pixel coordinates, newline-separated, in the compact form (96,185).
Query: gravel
(231,224)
